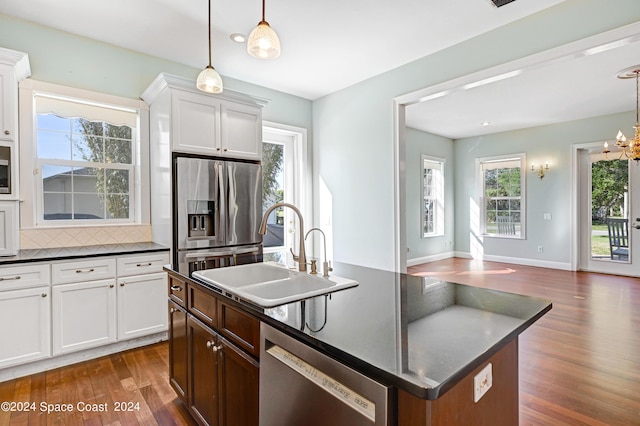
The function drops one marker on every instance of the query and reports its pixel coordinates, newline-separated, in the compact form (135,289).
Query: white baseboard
(491,258)
(521,261)
(529,262)
(432,258)
(9,373)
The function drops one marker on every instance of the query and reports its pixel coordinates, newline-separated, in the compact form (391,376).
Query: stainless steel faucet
(326,265)
(301,258)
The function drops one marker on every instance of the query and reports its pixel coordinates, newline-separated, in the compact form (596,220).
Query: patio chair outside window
(618,238)
(506,226)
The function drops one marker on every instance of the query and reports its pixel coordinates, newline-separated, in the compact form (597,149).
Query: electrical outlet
(482,383)
(539,249)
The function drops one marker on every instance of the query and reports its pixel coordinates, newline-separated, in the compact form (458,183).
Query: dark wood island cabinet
(446,352)
(213,355)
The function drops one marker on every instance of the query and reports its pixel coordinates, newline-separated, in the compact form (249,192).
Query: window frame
(439,214)
(294,140)
(521,158)
(31,182)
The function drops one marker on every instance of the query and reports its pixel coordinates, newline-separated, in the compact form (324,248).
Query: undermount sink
(268,285)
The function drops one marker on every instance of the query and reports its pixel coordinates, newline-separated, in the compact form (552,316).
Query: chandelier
(630,149)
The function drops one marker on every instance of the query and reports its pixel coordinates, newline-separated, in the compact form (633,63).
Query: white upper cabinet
(183,119)
(241,131)
(14,67)
(195,123)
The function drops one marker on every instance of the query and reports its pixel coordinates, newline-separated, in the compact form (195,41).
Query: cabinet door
(241,135)
(203,375)
(8,228)
(8,103)
(25,318)
(238,378)
(195,123)
(141,305)
(84,315)
(178,350)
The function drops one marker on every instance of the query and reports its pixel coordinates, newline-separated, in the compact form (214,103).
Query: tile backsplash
(83,236)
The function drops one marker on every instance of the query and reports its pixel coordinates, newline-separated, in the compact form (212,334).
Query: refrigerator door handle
(232,207)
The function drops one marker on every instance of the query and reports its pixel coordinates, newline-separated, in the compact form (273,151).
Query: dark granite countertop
(63,253)
(418,334)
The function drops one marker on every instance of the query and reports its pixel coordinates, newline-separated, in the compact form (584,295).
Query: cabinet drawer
(178,291)
(239,327)
(82,271)
(17,277)
(143,264)
(203,305)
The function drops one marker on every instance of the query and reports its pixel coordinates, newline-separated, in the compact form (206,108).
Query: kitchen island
(424,339)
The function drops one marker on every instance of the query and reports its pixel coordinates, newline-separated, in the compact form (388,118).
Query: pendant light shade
(263,42)
(209,80)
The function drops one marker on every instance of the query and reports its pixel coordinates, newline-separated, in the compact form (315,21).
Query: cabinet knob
(172,310)
(217,149)
(6,132)
(122,284)
(176,288)
(111,285)
(217,348)
(225,150)
(209,343)
(44,295)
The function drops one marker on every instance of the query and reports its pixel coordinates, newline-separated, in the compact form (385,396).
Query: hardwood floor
(136,382)
(580,363)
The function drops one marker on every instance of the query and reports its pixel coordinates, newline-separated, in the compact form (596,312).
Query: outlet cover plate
(482,382)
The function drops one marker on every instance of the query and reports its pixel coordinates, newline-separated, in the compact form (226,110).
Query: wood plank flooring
(131,387)
(579,364)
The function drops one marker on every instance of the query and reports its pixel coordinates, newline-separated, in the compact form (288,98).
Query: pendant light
(263,42)
(209,80)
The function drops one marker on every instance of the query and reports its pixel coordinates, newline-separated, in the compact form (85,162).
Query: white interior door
(606,189)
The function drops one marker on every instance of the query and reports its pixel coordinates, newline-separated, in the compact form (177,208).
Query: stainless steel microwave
(5,170)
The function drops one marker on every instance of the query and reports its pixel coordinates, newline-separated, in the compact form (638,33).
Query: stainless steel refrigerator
(217,213)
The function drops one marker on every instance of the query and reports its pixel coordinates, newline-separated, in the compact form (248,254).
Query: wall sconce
(540,170)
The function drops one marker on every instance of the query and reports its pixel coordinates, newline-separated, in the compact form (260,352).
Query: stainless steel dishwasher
(301,386)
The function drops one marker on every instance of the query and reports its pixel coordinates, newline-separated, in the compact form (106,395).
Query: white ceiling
(326,45)
(331,44)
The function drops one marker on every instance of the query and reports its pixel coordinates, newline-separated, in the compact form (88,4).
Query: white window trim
(523,197)
(440,209)
(295,141)
(30,182)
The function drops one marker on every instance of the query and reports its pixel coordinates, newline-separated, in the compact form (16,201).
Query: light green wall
(353,128)
(417,144)
(63,58)
(551,143)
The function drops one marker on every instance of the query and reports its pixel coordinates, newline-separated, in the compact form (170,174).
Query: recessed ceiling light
(238,38)
(486,123)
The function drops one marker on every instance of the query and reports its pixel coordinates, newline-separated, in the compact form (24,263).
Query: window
(283,179)
(432,196)
(85,154)
(503,196)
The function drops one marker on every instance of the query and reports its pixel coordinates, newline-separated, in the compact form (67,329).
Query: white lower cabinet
(25,318)
(141,305)
(84,315)
(55,308)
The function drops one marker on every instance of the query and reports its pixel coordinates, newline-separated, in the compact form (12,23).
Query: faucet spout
(326,265)
(301,258)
